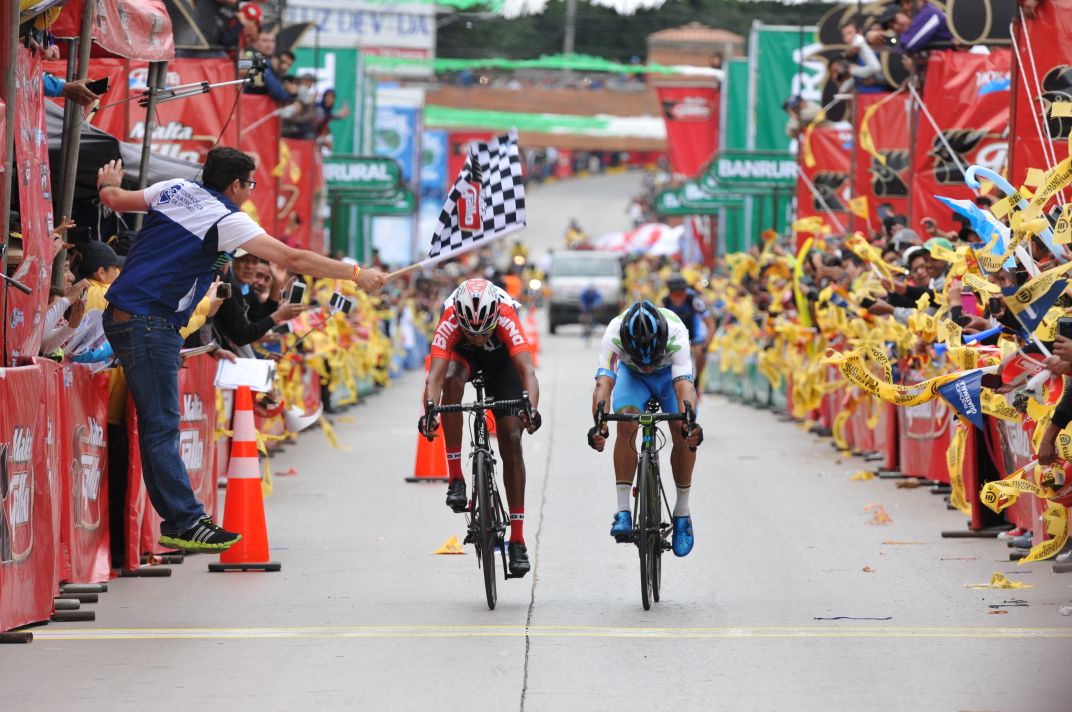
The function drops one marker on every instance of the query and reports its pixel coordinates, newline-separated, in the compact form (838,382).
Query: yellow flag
(858,207)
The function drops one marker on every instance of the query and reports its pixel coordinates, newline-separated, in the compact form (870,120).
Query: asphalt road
(363,616)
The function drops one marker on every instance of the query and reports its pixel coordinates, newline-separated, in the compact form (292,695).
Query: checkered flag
(490,180)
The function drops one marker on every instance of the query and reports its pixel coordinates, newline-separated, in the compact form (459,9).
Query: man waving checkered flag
(486,202)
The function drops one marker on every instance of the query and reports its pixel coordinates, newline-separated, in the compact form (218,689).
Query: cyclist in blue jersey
(590,300)
(691,308)
(644,355)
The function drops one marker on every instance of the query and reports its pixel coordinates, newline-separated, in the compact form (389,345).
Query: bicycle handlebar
(431,408)
(689,416)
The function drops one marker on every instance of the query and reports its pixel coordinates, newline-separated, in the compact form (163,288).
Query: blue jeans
(148,348)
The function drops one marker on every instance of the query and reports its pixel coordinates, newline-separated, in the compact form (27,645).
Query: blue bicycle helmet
(643,333)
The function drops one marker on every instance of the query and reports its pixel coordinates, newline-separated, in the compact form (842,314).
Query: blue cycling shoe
(622,529)
(683,539)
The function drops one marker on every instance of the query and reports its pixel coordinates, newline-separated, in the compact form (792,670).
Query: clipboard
(256,373)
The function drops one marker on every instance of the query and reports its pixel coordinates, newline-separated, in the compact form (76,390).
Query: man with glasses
(480,330)
(191,230)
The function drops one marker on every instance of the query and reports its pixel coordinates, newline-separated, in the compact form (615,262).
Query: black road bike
(650,532)
(486,518)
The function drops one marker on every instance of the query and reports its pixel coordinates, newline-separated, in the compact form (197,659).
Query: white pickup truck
(573,271)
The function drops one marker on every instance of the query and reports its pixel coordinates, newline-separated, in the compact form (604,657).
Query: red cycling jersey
(508,332)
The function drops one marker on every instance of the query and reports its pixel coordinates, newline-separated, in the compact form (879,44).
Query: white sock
(681,507)
(624,492)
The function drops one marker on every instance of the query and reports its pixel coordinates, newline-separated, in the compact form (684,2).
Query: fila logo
(191,451)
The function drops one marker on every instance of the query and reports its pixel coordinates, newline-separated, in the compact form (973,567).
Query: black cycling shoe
(519,558)
(456,498)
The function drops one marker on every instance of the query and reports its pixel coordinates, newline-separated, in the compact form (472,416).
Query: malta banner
(881,156)
(83,439)
(259,137)
(27,552)
(25,311)
(968,96)
(691,116)
(825,163)
(188,128)
(1040,81)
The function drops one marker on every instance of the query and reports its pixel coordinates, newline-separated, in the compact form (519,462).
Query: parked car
(573,271)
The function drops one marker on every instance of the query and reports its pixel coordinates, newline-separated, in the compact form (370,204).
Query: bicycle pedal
(666,545)
(468,538)
(625,538)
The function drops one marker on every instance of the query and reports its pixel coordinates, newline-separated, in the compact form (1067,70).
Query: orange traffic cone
(431,464)
(244,510)
(532,332)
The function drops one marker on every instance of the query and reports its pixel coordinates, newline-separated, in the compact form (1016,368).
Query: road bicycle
(486,519)
(650,532)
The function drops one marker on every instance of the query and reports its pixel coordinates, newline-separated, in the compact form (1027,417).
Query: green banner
(751,170)
(735,104)
(335,69)
(692,199)
(398,202)
(779,72)
(361,174)
(578,62)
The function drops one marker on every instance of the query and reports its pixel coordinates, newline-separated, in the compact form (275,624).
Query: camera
(98,87)
(1064,327)
(297,292)
(223,290)
(254,64)
(339,303)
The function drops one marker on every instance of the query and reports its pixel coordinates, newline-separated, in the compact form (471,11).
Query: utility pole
(570,34)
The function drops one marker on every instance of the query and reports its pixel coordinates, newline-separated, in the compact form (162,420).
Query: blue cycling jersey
(691,312)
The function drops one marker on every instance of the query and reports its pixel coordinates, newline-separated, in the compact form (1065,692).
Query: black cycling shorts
(501,380)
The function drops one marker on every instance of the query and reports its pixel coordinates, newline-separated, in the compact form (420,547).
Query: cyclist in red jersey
(480,330)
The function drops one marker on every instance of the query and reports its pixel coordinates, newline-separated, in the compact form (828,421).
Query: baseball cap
(96,254)
(940,242)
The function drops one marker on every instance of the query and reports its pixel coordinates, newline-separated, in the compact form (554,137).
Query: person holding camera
(192,229)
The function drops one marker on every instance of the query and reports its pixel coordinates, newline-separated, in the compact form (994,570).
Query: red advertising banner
(301,191)
(926,431)
(27,557)
(25,311)
(259,137)
(967,94)
(48,423)
(138,30)
(84,445)
(112,117)
(188,128)
(826,162)
(882,122)
(197,448)
(691,115)
(1043,75)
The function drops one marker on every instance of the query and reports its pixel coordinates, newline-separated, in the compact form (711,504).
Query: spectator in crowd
(328,111)
(863,65)
(234,325)
(801,112)
(191,228)
(74,90)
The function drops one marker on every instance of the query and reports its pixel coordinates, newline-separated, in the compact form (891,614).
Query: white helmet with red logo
(476,304)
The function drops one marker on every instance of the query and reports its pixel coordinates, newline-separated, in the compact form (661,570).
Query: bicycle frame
(487,519)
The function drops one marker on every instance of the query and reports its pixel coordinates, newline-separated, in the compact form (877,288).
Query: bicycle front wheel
(644,526)
(487,531)
(655,538)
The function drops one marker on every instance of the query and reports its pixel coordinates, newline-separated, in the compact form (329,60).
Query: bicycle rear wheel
(487,531)
(644,528)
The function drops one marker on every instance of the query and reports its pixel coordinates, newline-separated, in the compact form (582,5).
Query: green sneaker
(205,536)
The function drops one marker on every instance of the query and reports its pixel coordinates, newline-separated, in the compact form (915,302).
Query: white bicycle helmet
(476,304)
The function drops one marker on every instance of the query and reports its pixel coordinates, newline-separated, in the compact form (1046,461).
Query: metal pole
(8,11)
(157,74)
(72,129)
(571,32)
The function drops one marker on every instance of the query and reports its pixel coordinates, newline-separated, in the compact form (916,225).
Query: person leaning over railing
(191,230)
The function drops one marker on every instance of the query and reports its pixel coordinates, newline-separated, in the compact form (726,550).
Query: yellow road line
(490,631)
